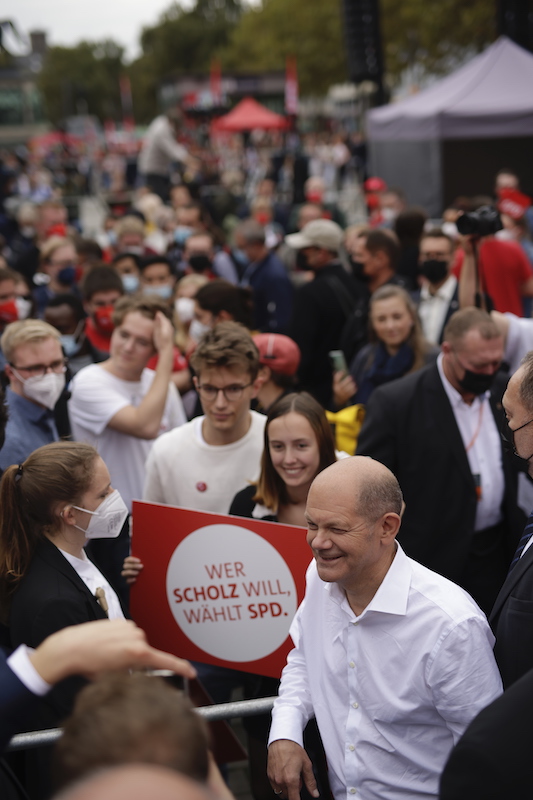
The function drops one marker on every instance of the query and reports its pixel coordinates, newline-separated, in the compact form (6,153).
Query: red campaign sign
(218,589)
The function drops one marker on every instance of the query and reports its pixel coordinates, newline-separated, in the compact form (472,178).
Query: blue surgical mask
(164,291)
(181,234)
(67,276)
(130,283)
(69,341)
(69,344)
(241,256)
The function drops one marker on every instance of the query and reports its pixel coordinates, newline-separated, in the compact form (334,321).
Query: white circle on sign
(231,592)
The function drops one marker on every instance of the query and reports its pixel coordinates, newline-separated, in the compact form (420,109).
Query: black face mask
(200,263)
(509,446)
(301,261)
(358,270)
(476,382)
(434,270)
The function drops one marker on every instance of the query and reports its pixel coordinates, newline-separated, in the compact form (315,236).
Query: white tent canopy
(489,97)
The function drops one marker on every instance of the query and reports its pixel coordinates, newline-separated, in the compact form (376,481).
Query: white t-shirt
(183,470)
(97,396)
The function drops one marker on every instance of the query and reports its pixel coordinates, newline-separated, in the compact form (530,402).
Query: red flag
(126,101)
(216,82)
(291,87)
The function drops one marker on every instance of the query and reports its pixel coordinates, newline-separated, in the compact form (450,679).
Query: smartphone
(338,361)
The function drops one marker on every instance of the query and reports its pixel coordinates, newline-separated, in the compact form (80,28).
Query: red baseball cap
(278,352)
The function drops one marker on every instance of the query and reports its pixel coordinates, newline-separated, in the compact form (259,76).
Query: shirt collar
(391,596)
(27,408)
(444,292)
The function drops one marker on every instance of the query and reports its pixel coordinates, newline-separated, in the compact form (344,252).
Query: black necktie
(526,536)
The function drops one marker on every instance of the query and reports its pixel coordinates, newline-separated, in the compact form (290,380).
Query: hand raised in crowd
(131,568)
(344,388)
(163,333)
(94,647)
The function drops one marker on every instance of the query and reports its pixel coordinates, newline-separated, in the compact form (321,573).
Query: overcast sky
(67,23)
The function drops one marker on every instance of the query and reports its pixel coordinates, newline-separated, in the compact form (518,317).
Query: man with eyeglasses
(437,429)
(203,464)
(36,370)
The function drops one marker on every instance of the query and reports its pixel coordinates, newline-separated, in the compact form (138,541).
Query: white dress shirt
(19,662)
(93,579)
(393,688)
(482,442)
(432,308)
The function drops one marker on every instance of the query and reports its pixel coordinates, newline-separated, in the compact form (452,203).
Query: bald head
(372,486)
(136,782)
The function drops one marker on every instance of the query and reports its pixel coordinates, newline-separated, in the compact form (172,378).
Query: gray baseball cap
(318,233)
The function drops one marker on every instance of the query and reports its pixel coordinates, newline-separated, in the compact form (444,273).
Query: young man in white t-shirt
(119,406)
(203,464)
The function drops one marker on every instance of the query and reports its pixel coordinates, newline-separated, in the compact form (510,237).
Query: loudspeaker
(515,20)
(363,40)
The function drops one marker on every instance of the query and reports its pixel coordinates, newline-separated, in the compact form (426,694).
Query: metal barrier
(241,708)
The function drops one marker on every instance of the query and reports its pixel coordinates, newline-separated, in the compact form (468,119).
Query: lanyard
(476,432)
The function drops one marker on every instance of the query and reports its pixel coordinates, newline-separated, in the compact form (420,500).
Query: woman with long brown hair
(50,506)
(397,347)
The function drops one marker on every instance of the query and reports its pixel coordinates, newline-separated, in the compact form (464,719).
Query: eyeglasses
(39,370)
(232,392)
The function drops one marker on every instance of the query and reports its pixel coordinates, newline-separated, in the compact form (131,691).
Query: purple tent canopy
(489,97)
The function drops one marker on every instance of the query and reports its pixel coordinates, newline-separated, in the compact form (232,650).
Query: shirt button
(353,791)
(351,664)
(351,748)
(355,705)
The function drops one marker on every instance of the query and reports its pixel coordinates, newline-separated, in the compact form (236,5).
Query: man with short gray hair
(392,659)
(437,429)
(36,370)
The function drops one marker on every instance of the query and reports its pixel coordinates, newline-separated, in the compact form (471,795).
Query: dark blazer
(410,427)
(51,596)
(317,325)
(492,760)
(512,621)
(14,699)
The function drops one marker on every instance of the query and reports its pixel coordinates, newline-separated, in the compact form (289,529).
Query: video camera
(483,222)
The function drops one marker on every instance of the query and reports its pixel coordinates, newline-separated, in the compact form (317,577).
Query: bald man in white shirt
(392,659)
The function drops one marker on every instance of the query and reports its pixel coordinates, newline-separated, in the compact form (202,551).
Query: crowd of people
(186,353)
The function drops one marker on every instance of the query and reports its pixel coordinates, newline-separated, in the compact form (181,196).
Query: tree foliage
(82,79)
(308,29)
(430,37)
(183,41)
(434,37)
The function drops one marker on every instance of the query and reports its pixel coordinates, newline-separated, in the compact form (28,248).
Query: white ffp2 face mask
(43,389)
(198,329)
(184,307)
(107,521)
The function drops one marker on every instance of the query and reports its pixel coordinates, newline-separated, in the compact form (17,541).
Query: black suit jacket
(410,427)
(317,324)
(512,621)
(51,596)
(14,699)
(491,761)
